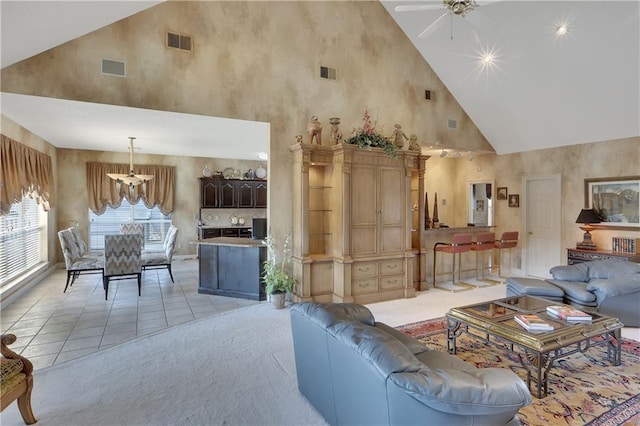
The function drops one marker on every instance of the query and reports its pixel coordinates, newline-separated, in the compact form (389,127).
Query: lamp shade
(588,216)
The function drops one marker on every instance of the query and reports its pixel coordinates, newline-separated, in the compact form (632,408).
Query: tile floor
(53,326)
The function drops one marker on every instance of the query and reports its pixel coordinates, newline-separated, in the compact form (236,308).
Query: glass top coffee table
(537,350)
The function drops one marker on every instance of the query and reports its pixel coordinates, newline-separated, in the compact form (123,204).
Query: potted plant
(276,276)
(367,137)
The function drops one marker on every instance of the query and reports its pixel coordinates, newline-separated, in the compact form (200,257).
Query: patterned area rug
(584,389)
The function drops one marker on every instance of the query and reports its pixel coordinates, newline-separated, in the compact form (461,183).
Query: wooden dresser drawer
(365,285)
(364,269)
(391,281)
(391,267)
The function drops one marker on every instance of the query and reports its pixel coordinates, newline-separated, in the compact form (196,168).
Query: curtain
(104,191)
(24,171)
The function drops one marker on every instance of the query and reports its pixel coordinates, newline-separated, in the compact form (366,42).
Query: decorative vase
(277,300)
(436,219)
(427,219)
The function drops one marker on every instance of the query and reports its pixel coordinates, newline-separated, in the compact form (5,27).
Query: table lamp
(587,217)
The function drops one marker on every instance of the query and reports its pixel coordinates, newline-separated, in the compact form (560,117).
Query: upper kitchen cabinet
(232,193)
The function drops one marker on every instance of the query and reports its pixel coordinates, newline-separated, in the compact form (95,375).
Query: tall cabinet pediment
(352,223)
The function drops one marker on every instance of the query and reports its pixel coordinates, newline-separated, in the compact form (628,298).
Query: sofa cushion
(606,269)
(414,345)
(385,353)
(575,290)
(533,287)
(577,272)
(483,391)
(624,284)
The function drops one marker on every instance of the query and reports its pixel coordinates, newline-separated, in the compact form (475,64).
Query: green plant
(366,137)
(277,277)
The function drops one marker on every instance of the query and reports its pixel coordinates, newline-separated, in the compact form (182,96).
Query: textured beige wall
(257,61)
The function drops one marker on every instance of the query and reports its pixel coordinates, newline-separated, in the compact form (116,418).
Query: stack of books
(532,322)
(569,313)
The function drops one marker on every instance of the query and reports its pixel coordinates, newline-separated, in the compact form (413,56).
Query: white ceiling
(543,92)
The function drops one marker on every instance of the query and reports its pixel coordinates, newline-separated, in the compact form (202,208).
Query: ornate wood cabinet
(352,223)
(578,256)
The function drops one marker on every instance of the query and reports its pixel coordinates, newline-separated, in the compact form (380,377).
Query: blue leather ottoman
(518,286)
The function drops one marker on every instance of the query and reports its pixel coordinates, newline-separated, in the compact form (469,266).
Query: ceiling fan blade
(424,33)
(414,7)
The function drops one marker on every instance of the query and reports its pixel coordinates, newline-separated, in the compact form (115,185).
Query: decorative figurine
(298,138)
(436,220)
(397,136)
(336,134)
(315,130)
(413,143)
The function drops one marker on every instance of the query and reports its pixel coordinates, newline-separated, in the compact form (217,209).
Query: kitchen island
(231,267)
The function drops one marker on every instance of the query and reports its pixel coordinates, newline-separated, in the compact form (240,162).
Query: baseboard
(12,292)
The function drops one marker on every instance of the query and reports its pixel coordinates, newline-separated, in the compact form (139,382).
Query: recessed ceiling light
(561,29)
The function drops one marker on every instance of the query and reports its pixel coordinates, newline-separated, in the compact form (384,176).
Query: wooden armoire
(356,223)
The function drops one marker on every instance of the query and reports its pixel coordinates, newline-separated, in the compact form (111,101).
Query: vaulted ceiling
(540,91)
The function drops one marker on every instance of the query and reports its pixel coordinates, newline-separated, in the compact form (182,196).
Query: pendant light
(130,179)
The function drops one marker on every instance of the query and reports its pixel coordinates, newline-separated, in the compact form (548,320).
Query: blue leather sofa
(356,371)
(607,286)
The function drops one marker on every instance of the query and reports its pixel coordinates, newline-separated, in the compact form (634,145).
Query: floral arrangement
(367,137)
(276,276)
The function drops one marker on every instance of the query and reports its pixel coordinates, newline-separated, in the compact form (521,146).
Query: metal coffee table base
(538,363)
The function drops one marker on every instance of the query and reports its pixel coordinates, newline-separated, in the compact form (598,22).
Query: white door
(542,225)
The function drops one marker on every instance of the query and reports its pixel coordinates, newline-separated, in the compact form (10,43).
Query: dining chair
(162,259)
(122,259)
(133,228)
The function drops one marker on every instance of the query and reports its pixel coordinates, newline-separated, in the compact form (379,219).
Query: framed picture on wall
(616,200)
(502,193)
(514,200)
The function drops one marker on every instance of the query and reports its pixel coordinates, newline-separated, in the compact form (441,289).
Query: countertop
(231,241)
(223,227)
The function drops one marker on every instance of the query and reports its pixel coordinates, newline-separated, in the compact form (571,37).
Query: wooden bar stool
(508,240)
(484,241)
(460,243)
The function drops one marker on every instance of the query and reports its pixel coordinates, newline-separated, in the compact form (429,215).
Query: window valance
(104,191)
(24,171)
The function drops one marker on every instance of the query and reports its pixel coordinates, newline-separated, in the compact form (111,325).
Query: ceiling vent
(179,41)
(114,68)
(328,73)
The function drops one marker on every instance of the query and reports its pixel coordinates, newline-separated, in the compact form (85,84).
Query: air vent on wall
(179,41)
(452,123)
(328,73)
(115,68)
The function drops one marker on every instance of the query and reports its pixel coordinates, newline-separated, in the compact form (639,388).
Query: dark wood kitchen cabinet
(232,193)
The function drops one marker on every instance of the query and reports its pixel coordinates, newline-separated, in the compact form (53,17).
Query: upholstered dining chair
(133,228)
(162,259)
(122,259)
(78,260)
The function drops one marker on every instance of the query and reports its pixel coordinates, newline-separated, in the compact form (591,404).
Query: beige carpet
(235,368)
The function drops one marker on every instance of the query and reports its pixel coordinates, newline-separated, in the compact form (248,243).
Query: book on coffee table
(569,313)
(532,322)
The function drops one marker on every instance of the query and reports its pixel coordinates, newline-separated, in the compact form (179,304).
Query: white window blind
(20,232)
(156,224)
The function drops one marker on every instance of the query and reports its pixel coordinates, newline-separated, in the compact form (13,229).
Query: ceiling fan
(453,7)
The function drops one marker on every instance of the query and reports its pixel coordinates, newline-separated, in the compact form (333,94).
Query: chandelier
(130,179)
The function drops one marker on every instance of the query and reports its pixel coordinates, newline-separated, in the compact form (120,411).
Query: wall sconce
(587,217)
